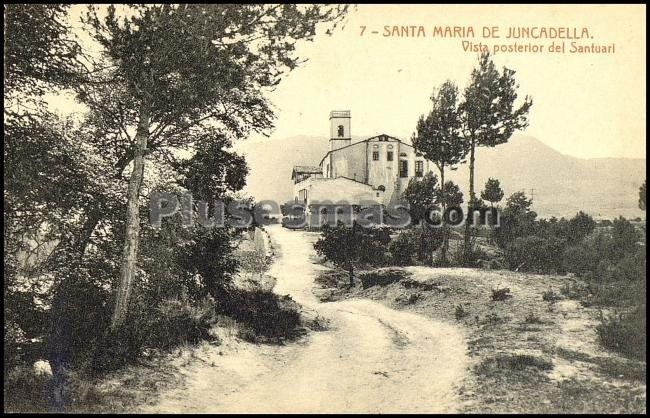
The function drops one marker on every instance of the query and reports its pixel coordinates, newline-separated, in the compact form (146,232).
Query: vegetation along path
(370,359)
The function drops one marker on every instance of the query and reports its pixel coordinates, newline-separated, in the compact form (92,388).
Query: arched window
(341,131)
(381,188)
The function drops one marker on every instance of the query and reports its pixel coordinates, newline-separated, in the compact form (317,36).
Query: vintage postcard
(324,208)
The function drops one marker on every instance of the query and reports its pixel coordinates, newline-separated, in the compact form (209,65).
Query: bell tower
(340,135)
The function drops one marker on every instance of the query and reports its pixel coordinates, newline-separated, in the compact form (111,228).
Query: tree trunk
(132,235)
(471,198)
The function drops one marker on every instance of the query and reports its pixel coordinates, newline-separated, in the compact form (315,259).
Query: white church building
(375,169)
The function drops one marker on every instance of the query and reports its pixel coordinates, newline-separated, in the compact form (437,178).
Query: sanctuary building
(376,169)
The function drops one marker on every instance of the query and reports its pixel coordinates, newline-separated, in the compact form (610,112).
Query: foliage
(381,277)
(452,195)
(488,109)
(624,238)
(517,220)
(501,294)
(460,312)
(438,135)
(535,254)
(421,194)
(488,114)
(346,246)
(403,247)
(625,333)
(550,295)
(642,200)
(492,191)
(270,317)
(40,50)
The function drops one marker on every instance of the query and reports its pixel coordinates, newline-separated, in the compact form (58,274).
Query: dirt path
(371,359)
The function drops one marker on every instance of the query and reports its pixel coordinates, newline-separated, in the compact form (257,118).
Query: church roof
(382,137)
(307,169)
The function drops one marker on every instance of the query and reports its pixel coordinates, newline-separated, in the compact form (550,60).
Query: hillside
(603,187)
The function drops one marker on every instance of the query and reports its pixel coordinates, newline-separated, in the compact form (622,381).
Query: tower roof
(340,114)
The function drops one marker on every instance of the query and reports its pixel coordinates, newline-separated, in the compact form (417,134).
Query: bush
(24,391)
(460,312)
(472,258)
(532,318)
(632,267)
(270,317)
(535,254)
(402,248)
(625,333)
(501,294)
(619,293)
(551,296)
(80,318)
(580,259)
(176,322)
(507,361)
(381,277)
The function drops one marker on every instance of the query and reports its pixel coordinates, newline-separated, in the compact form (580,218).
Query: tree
(421,194)
(642,196)
(438,136)
(489,115)
(492,192)
(517,220)
(624,239)
(345,246)
(39,50)
(580,226)
(170,70)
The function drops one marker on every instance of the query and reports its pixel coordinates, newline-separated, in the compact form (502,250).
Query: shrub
(551,296)
(579,259)
(632,267)
(409,299)
(381,277)
(624,239)
(80,317)
(625,333)
(535,254)
(402,248)
(269,316)
(507,361)
(619,293)
(460,312)
(501,294)
(471,258)
(532,318)
(25,391)
(176,322)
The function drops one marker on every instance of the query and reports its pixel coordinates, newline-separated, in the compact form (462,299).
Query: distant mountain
(560,184)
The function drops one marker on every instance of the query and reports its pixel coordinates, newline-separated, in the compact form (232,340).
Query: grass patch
(503,362)
(501,294)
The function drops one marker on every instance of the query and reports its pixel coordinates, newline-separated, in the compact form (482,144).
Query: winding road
(371,359)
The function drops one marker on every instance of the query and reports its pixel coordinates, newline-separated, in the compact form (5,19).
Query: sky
(585,105)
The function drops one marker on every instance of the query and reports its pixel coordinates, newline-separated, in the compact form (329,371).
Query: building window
(403,168)
(375,156)
(419,168)
(341,131)
(389,156)
(381,188)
